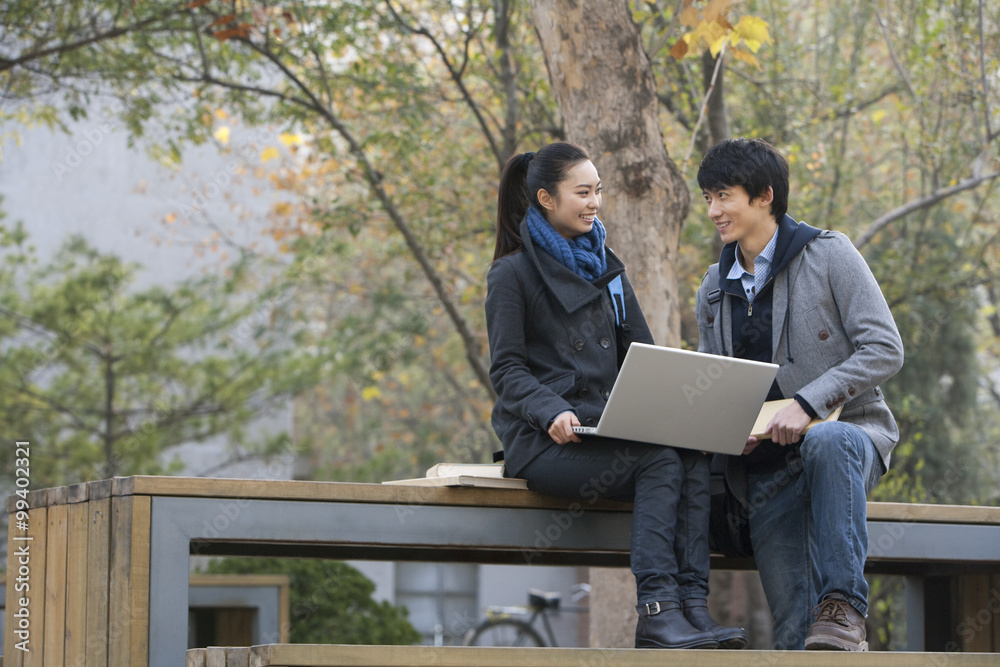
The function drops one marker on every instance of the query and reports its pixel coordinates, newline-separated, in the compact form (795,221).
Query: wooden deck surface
(322,655)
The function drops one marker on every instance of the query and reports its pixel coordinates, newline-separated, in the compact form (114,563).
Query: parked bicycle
(515,625)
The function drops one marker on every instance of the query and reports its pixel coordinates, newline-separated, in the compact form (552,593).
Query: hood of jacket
(792,238)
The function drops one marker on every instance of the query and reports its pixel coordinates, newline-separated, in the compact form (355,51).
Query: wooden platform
(320,655)
(109,560)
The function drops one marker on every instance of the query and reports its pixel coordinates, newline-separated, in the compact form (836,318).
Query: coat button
(823,335)
(710,319)
(829,405)
(578,344)
(841,399)
(582,393)
(851,391)
(605,343)
(605,393)
(589,421)
(878,392)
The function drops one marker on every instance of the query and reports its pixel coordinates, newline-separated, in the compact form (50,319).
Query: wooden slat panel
(195,657)
(128,619)
(99,489)
(35,499)
(215,656)
(284,613)
(995,608)
(77,554)
(238,657)
(57,496)
(120,567)
(55,584)
(98,571)
(38,520)
(974,617)
(139,580)
(78,493)
(314,655)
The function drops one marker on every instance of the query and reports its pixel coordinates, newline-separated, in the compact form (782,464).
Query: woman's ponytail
(512,204)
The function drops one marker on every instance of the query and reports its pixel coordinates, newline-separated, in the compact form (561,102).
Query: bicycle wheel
(503,632)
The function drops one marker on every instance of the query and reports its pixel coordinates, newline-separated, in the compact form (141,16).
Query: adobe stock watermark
(21,555)
(590,492)
(219,180)
(80,147)
(705,378)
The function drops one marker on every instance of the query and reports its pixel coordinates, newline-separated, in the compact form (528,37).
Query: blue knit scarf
(583,254)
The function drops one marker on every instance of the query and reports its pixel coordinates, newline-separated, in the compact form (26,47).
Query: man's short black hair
(752,164)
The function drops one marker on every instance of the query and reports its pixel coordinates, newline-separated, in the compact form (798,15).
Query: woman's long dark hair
(522,177)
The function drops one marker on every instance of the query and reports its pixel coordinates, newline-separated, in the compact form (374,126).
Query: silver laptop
(669,396)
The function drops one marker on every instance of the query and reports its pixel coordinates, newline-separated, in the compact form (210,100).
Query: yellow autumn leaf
(878,115)
(169,218)
(222,135)
(283,208)
(753,31)
(269,153)
(419,341)
(679,49)
(290,139)
(746,57)
(715,46)
(715,9)
(221,114)
(370,393)
(713,34)
(689,17)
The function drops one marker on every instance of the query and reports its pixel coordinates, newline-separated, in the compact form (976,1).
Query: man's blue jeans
(808,526)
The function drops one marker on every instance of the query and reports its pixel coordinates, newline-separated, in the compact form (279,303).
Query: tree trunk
(604,86)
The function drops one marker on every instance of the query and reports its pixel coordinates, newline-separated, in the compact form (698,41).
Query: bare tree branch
(892,53)
(37,54)
(473,350)
(456,76)
(704,103)
(918,204)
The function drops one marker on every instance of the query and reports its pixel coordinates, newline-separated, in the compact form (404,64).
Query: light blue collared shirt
(753,282)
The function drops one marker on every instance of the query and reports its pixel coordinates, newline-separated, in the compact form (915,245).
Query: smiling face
(739,219)
(572,208)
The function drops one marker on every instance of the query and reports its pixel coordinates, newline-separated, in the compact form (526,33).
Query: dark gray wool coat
(552,346)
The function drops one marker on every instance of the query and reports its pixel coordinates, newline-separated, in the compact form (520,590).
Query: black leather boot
(662,625)
(696,613)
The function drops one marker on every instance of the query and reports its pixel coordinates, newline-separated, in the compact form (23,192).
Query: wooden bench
(125,601)
(329,655)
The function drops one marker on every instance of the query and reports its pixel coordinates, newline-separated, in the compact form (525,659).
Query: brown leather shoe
(838,627)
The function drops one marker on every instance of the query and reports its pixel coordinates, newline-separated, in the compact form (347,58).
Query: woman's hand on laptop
(562,428)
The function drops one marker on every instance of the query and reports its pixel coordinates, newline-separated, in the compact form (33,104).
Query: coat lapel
(570,290)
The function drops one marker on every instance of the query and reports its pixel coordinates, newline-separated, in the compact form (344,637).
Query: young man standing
(805,299)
